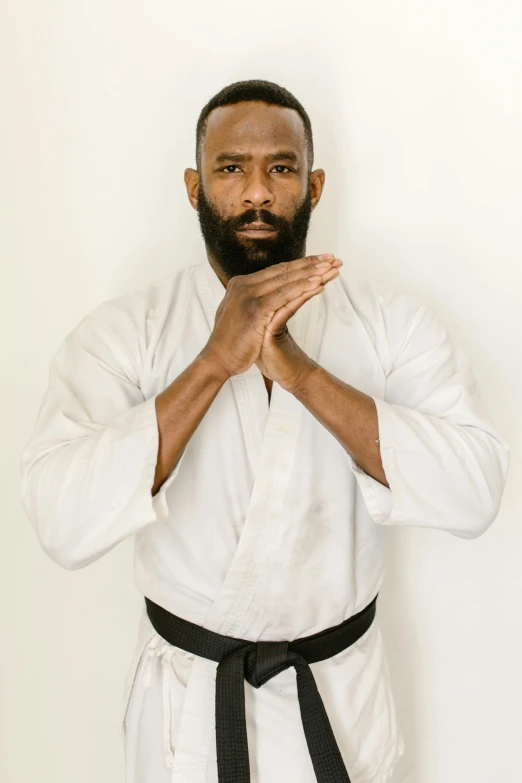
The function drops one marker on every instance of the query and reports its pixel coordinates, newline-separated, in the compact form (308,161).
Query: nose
(257,193)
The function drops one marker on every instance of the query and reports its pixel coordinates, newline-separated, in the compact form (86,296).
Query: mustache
(256,216)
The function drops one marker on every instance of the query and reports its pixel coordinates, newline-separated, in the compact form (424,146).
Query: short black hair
(254,90)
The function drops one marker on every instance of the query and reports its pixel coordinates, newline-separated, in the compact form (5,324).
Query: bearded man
(256,421)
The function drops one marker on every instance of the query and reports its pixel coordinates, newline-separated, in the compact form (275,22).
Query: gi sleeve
(88,468)
(445,462)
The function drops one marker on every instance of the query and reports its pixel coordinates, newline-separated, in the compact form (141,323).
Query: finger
(289,308)
(298,264)
(284,313)
(324,277)
(287,270)
(284,294)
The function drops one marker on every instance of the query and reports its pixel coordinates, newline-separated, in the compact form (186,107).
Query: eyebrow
(239,157)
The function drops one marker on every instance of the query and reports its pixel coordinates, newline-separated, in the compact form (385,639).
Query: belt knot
(264,660)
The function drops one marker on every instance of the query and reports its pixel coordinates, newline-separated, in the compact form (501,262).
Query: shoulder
(388,315)
(127,323)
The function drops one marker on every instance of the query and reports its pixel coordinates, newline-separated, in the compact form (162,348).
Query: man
(257,420)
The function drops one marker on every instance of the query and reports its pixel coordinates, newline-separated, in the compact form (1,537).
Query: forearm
(180,408)
(349,414)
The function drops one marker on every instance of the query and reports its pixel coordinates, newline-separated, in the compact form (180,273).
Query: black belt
(258,662)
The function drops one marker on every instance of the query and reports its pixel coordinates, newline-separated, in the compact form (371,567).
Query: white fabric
(266,528)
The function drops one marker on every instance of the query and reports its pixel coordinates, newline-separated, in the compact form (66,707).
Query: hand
(281,359)
(252,301)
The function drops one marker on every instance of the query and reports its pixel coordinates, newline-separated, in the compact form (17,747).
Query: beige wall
(416,109)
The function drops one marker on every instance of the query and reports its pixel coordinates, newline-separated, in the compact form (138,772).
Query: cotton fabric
(266,528)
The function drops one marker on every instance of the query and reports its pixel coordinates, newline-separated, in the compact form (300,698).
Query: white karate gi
(266,528)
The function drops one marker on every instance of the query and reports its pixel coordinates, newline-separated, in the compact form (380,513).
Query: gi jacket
(266,528)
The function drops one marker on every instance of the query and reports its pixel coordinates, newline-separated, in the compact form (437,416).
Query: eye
(235,166)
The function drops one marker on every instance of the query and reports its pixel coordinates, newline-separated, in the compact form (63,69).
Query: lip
(257,224)
(257,230)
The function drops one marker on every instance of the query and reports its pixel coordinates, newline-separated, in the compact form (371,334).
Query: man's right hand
(250,303)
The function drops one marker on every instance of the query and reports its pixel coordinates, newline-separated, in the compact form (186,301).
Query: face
(253,171)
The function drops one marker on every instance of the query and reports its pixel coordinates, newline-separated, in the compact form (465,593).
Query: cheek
(291,196)
(226,202)
(223,204)
(292,207)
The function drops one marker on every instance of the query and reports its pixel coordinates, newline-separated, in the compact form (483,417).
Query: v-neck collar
(249,387)
(271,436)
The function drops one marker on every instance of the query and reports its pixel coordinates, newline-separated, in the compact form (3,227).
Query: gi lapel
(271,435)
(249,387)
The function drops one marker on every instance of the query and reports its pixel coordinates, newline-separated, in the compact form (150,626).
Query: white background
(417,118)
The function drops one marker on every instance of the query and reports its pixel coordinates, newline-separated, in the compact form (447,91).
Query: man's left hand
(281,359)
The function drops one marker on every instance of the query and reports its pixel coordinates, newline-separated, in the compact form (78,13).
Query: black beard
(242,257)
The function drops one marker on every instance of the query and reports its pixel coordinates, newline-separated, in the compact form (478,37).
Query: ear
(191,178)
(317,178)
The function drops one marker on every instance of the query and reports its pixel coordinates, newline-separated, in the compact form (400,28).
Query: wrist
(213,365)
(304,377)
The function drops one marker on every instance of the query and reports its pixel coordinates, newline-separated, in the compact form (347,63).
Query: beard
(242,256)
